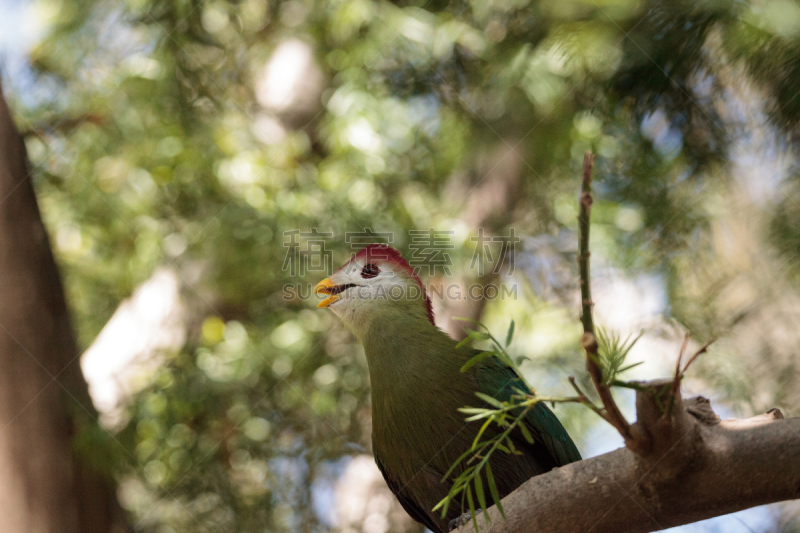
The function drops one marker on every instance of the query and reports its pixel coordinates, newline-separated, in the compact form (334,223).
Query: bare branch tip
(698,353)
(775,413)
(680,354)
(588,164)
(575,386)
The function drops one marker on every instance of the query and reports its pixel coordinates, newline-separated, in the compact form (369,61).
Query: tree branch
(680,464)
(634,439)
(583,255)
(697,468)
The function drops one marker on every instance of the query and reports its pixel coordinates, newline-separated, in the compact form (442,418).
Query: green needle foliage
(612,352)
(498,350)
(469,486)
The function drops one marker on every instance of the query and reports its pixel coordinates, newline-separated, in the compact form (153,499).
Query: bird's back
(418,432)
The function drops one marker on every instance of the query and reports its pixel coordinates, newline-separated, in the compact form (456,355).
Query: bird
(417,387)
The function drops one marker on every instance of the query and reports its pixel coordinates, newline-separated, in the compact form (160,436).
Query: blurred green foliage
(156,142)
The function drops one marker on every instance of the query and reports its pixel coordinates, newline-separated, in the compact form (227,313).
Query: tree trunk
(44,485)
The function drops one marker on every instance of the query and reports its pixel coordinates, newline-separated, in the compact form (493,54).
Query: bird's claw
(456,523)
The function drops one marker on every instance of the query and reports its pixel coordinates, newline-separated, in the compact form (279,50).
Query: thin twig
(699,352)
(676,380)
(589,342)
(582,398)
(583,230)
(680,355)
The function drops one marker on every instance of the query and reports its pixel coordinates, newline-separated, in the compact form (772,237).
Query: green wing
(500,381)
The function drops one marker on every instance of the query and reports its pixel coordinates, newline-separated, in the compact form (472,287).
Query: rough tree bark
(44,486)
(680,464)
(697,468)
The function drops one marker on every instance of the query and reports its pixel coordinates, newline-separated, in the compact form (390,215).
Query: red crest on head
(382,253)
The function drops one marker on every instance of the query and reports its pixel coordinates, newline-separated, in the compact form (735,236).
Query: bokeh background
(175,142)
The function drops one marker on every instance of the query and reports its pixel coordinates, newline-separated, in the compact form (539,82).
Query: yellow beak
(324,287)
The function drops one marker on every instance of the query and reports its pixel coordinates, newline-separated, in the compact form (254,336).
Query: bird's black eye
(370,271)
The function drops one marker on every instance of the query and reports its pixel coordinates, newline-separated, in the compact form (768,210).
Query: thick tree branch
(61,125)
(680,463)
(698,468)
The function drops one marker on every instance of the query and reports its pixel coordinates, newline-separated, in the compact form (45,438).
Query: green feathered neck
(413,365)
